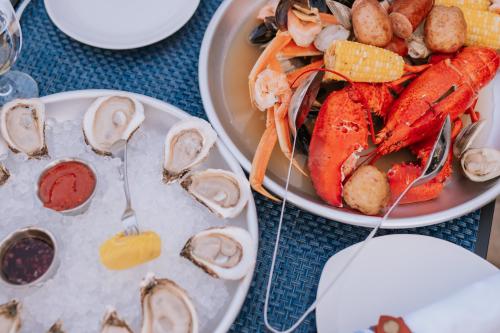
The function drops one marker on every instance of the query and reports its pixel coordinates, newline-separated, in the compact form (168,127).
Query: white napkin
(474,309)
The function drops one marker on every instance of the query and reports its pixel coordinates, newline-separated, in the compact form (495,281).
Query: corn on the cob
(363,63)
(483,28)
(471,4)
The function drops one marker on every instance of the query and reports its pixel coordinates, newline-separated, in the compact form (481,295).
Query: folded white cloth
(474,309)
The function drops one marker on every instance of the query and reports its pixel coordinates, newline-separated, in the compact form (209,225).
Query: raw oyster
(481,164)
(57,327)
(187,144)
(226,252)
(10,319)
(222,192)
(109,119)
(166,307)
(22,124)
(111,323)
(4,174)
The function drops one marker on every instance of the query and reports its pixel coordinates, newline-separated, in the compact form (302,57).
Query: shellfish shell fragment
(57,327)
(226,252)
(222,192)
(10,317)
(4,174)
(112,323)
(166,307)
(109,119)
(466,137)
(187,144)
(481,164)
(22,124)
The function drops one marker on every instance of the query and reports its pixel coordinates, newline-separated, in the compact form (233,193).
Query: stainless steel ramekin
(82,208)
(33,232)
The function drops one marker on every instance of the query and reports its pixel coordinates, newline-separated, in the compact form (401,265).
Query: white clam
(166,307)
(481,164)
(330,34)
(226,252)
(112,323)
(416,44)
(341,12)
(109,119)
(187,144)
(22,125)
(223,192)
(10,317)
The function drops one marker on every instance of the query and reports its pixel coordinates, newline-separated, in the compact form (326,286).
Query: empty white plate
(394,275)
(120,24)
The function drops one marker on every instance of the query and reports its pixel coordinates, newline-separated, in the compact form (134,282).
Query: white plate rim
(310,206)
(239,296)
(118,46)
(405,237)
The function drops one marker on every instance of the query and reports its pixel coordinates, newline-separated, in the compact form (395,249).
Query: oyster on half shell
(481,164)
(112,323)
(22,124)
(222,192)
(57,327)
(10,317)
(187,144)
(109,119)
(226,252)
(166,307)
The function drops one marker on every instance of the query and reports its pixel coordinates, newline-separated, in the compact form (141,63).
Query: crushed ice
(82,288)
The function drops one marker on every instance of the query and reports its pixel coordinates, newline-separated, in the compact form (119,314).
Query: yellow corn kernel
(483,28)
(471,4)
(363,63)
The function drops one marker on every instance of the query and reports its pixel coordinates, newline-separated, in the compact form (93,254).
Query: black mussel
(264,32)
(282,11)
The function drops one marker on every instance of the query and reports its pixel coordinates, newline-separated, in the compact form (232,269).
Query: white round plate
(394,275)
(226,59)
(161,116)
(120,24)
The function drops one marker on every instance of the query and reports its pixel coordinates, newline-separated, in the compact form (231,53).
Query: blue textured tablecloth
(168,71)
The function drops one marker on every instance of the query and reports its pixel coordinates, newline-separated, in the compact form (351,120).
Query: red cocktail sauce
(66,185)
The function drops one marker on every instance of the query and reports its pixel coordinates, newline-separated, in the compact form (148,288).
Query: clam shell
(165,303)
(226,252)
(187,144)
(22,125)
(223,192)
(466,137)
(112,323)
(481,164)
(109,119)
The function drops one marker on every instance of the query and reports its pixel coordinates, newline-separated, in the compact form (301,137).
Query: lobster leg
(263,155)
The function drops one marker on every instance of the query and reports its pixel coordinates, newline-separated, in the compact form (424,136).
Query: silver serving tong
(435,164)
(129,220)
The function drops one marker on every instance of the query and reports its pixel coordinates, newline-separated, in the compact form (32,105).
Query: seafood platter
(71,260)
(368,85)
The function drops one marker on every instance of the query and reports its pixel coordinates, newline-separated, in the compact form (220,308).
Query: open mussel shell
(112,323)
(187,144)
(10,317)
(110,119)
(466,137)
(223,192)
(481,164)
(264,32)
(226,252)
(22,125)
(166,307)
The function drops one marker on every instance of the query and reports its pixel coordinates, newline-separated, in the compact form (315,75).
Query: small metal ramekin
(82,208)
(33,232)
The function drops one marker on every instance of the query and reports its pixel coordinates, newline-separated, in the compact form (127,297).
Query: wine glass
(13,84)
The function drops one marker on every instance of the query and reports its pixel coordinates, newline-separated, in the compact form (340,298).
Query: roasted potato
(367,190)
(371,23)
(445,29)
